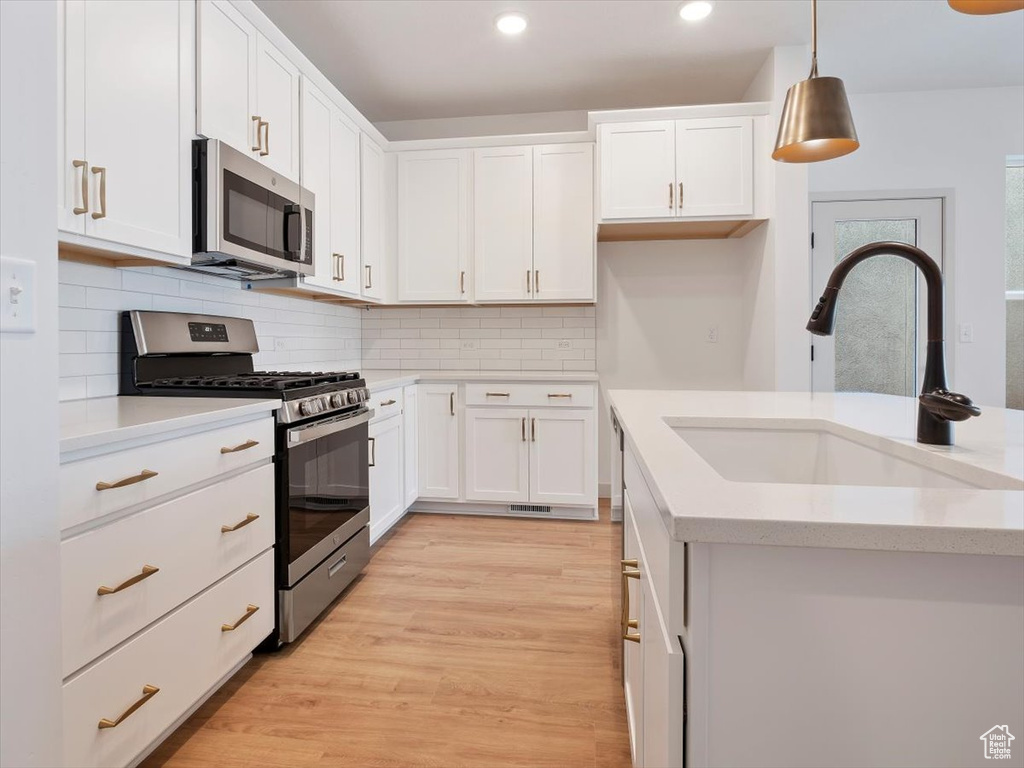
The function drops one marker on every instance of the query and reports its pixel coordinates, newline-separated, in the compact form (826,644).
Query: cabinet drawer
(386,403)
(178,463)
(184,538)
(183,655)
(531,395)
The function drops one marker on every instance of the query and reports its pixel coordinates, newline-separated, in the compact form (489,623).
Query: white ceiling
(415,59)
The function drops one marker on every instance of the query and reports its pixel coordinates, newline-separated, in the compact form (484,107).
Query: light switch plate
(17,295)
(966,333)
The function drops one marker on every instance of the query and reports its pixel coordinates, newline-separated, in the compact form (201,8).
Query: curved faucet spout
(937,406)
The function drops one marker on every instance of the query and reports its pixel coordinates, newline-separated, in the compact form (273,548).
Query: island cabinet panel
(632,651)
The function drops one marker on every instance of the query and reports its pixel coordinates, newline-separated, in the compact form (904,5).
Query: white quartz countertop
(381,379)
(99,421)
(697,504)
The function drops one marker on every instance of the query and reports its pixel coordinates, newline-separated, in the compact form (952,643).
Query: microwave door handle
(290,212)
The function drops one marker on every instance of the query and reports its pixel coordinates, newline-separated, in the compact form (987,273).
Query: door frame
(947,196)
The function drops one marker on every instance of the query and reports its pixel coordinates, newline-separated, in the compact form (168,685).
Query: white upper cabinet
(316,177)
(677,169)
(564,240)
(714,159)
(373,220)
(638,170)
(433,225)
(277,104)
(344,212)
(125,152)
(497,455)
(503,223)
(248,90)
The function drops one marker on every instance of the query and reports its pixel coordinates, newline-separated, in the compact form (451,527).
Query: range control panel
(208,331)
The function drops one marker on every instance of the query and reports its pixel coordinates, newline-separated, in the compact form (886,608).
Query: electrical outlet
(564,344)
(712,335)
(966,333)
(469,344)
(280,344)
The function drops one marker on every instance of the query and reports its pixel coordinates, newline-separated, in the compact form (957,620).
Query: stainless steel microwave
(247,220)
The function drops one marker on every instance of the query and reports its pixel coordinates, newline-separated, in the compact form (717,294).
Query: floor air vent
(532,509)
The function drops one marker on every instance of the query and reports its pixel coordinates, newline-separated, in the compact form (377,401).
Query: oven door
(325,498)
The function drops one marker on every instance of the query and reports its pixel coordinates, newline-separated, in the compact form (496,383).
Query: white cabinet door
(136,130)
(632,652)
(638,170)
(662,690)
(714,161)
(439,441)
(226,61)
(502,222)
(411,415)
(387,459)
(372,209)
(316,177)
(433,225)
(344,211)
(497,455)
(277,104)
(564,239)
(563,457)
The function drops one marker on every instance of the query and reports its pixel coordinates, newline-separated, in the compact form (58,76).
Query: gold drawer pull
(147,571)
(496,394)
(243,447)
(148,692)
(629,571)
(560,395)
(249,611)
(145,474)
(102,212)
(258,123)
(387,402)
(250,518)
(78,210)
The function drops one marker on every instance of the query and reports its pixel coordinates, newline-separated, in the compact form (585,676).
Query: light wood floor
(468,641)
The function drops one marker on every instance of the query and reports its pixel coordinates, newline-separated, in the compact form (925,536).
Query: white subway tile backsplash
(478,338)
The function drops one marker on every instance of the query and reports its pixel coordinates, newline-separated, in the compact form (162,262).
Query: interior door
(714,167)
(497,455)
(316,177)
(563,456)
(227,76)
(277,104)
(879,340)
(344,212)
(563,222)
(503,222)
(638,170)
(137,131)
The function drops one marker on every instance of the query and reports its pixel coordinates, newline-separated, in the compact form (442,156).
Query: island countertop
(698,505)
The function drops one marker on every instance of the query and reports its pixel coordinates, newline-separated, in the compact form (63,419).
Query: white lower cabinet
(563,456)
(439,442)
(387,460)
(497,454)
(411,435)
(632,652)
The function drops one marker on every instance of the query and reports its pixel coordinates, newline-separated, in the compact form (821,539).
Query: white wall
(955,140)
(30,705)
(293,334)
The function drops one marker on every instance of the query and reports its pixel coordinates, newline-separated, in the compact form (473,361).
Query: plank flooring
(467,642)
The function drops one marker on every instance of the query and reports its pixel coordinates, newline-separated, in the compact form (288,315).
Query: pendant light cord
(814,38)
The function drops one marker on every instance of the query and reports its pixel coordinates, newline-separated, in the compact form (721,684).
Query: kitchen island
(812,587)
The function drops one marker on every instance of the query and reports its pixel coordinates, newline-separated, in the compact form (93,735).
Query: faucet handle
(949,406)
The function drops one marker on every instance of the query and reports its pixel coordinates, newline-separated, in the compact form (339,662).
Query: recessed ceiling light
(510,23)
(696,10)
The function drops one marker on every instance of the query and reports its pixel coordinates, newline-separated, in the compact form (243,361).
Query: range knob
(311,407)
(339,400)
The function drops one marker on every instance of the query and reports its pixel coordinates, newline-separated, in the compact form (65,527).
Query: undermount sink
(813,455)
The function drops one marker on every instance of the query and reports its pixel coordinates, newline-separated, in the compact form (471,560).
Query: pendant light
(986,7)
(816,120)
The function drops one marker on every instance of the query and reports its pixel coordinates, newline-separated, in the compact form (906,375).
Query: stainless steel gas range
(321,453)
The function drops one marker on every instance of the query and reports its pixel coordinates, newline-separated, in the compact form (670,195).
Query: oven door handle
(315,431)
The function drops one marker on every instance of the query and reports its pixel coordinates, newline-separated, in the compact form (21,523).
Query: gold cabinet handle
(339,267)
(536,281)
(145,474)
(528,289)
(533,430)
(496,394)
(373,452)
(680,195)
(557,394)
(369,276)
(243,447)
(629,571)
(387,402)
(147,571)
(250,518)
(451,403)
(462,281)
(524,429)
(249,611)
(671,201)
(102,212)
(148,692)
(84,208)
(266,138)
(259,123)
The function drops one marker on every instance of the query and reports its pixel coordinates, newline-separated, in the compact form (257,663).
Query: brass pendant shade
(986,7)
(816,123)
